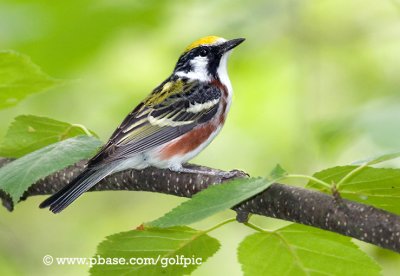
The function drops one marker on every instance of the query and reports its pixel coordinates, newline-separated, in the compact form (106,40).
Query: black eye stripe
(210,52)
(203,52)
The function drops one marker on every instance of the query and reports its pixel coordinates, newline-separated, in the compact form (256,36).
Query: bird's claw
(233,174)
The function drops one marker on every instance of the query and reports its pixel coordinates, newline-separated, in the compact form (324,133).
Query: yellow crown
(208,40)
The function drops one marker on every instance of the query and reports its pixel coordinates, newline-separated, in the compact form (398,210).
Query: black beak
(230,44)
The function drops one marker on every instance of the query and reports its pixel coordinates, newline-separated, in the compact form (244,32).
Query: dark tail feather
(64,197)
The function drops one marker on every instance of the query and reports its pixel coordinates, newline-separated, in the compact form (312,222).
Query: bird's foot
(223,175)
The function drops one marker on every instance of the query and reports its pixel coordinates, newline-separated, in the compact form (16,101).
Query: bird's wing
(170,111)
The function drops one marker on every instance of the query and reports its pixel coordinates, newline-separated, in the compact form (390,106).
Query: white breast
(224,78)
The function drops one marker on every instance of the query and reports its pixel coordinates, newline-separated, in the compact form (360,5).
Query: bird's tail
(83,182)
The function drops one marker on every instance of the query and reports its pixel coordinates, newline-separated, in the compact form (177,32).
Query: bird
(173,124)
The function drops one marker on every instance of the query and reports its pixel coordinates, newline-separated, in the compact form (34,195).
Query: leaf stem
(220,224)
(350,174)
(255,227)
(323,183)
(88,133)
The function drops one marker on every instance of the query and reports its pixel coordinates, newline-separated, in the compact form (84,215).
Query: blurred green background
(316,85)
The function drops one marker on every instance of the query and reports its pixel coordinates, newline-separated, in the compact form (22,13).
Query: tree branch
(281,201)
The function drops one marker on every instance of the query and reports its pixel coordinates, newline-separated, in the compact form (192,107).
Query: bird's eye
(203,52)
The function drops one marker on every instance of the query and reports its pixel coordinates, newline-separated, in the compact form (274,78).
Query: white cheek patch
(199,63)
(199,69)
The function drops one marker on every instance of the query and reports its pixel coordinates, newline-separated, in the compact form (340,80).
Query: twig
(285,202)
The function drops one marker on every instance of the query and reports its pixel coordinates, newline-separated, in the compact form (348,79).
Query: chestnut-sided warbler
(171,126)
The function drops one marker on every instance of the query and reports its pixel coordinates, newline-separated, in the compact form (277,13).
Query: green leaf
(19,78)
(378,159)
(159,248)
(303,250)
(17,176)
(28,133)
(213,200)
(374,186)
(278,172)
